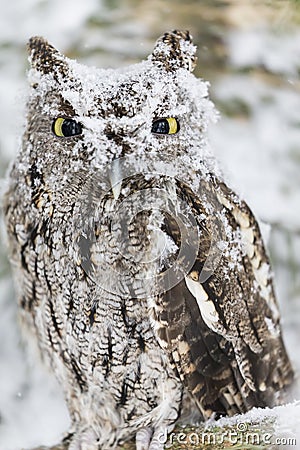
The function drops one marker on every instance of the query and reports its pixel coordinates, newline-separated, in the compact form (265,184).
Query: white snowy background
(250,52)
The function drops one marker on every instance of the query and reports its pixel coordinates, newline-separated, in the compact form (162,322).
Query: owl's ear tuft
(45,58)
(175,50)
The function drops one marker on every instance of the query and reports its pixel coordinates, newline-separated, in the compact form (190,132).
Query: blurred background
(250,52)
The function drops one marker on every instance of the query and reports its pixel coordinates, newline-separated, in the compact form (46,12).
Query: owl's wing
(223,332)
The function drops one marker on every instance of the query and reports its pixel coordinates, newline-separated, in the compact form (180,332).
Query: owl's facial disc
(156,108)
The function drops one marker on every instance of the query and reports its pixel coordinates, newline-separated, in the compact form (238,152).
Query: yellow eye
(169,125)
(66,127)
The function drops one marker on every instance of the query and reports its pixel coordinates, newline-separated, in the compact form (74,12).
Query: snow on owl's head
(80,116)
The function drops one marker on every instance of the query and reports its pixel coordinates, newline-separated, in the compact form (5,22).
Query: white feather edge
(205,305)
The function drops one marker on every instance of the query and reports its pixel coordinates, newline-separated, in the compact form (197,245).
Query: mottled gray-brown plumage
(141,275)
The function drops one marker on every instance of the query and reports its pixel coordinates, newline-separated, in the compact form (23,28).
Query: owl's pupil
(169,125)
(160,126)
(70,127)
(66,127)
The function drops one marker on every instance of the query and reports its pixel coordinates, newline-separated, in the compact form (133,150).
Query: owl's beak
(115,178)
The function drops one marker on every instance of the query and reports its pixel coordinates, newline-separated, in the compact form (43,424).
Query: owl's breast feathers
(219,325)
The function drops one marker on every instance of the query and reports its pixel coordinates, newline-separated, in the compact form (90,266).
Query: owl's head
(81,116)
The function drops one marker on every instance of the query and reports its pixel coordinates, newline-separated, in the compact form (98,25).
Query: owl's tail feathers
(272,385)
(249,380)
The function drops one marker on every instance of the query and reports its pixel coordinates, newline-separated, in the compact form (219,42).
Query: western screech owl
(141,275)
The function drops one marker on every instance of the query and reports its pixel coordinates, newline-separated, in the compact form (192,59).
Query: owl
(141,276)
